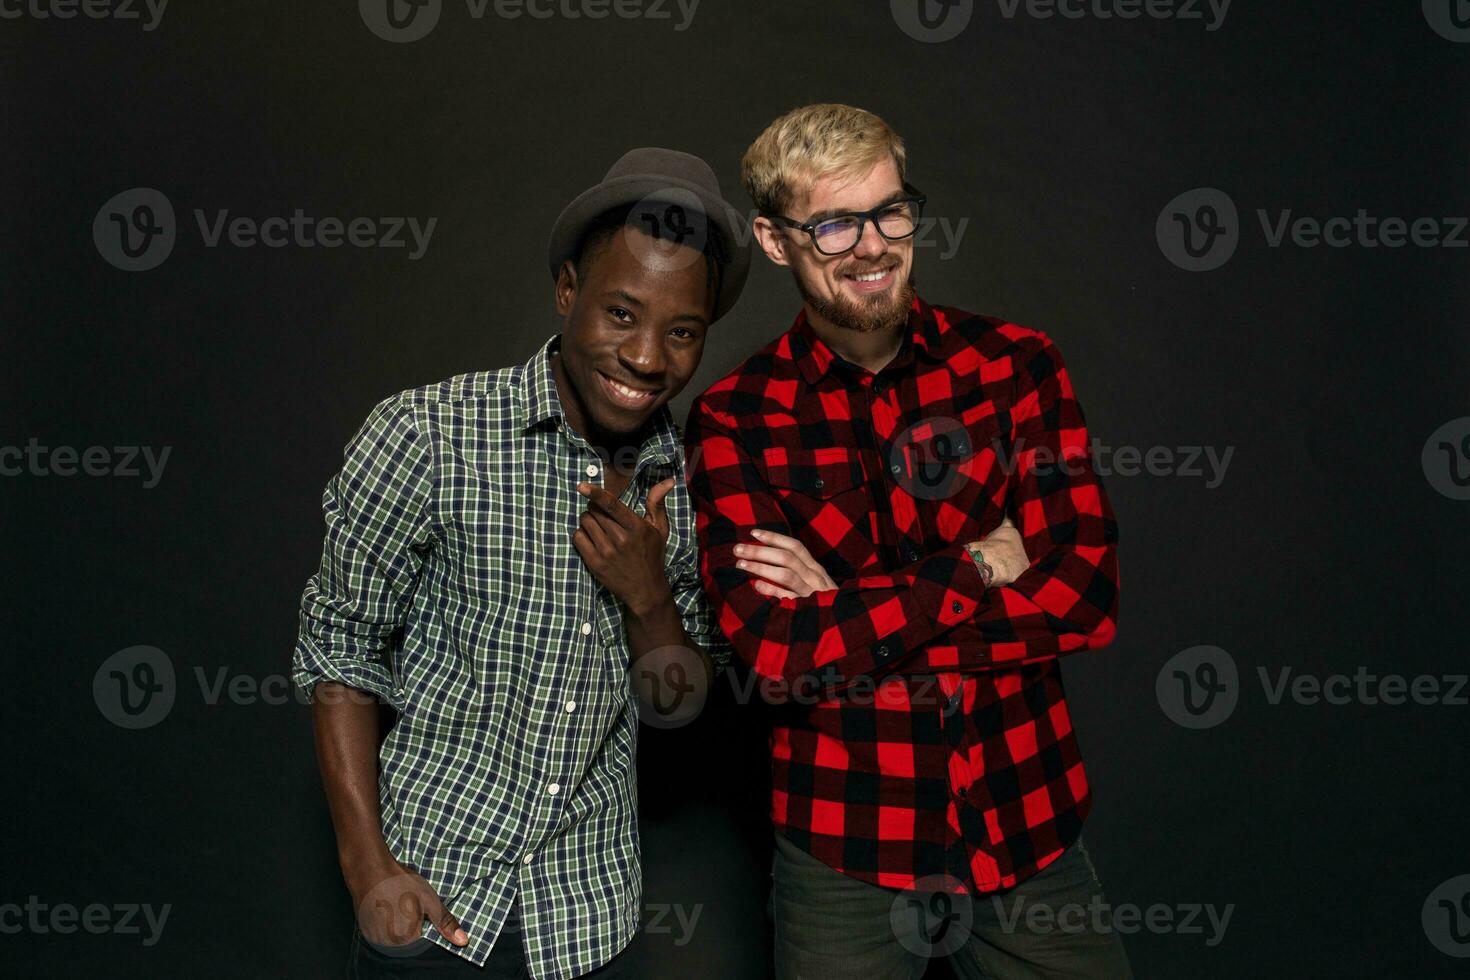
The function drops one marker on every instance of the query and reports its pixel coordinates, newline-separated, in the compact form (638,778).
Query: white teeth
(625,391)
(871,276)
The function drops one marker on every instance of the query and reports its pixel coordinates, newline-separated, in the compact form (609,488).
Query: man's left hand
(782,566)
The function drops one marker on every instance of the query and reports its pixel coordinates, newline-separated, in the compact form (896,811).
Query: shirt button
(896,470)
(571,706)
(553,789)
(882,651)
(586,629)
(591,469)
(957,606)
(526,859)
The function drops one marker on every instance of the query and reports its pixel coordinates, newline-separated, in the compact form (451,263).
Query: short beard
(875,313)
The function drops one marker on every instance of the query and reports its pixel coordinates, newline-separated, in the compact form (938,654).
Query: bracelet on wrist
(987,573)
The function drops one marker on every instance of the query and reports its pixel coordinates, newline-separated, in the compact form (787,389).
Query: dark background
(1326,548)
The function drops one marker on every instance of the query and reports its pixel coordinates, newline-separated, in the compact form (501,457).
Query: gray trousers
(832,927)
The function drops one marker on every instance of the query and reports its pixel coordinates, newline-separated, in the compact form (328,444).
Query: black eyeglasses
(841,232)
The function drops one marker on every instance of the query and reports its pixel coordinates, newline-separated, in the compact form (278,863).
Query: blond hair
(812,142)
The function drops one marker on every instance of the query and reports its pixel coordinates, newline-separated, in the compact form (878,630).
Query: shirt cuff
(948,586)
(715,644)
(944,590)
(312,666)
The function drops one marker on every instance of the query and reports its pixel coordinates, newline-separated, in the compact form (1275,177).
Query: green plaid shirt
(450,588)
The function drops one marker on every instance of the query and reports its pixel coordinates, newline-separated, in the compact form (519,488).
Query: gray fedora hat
(662,182)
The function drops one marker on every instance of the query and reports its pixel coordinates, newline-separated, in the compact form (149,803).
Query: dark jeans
(428,961)
(832,927)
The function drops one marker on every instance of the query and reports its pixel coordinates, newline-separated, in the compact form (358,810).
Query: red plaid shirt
(920,728)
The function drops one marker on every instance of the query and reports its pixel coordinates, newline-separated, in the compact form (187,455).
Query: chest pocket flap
(821,473)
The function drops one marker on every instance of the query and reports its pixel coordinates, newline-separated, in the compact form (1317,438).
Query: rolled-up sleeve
(682,570)
(379,531)
(696,613)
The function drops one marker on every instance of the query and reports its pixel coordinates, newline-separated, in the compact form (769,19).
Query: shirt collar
(925,333)
(540,402)
(538,397)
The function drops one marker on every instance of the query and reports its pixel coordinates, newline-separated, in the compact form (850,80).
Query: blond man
(901,533)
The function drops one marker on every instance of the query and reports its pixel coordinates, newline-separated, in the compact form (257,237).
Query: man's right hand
(392,903)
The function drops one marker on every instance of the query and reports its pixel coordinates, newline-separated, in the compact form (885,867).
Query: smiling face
(632,334)
(865,289)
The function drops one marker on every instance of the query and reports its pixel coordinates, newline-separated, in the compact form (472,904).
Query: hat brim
(628,190)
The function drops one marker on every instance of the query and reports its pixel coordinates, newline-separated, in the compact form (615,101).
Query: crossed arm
(788,620)
(785,569)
